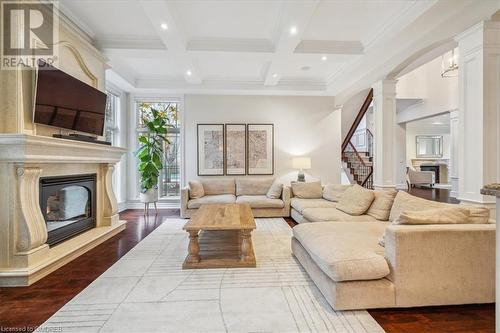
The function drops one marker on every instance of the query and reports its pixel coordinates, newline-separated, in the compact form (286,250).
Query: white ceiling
(243,44)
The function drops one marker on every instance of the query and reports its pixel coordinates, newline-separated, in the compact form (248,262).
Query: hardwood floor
(27,307)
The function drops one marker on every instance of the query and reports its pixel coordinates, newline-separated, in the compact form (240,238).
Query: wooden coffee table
(220,236)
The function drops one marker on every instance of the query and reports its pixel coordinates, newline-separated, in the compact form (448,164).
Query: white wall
(303,126)
(439,94)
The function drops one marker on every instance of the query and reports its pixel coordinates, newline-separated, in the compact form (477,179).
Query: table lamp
(301,163)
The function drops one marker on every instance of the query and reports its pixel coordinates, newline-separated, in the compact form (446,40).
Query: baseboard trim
(140,205)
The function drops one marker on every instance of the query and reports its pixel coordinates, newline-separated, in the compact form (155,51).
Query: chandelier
(449,67)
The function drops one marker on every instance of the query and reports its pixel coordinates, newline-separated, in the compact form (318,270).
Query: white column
(389,159)
(453,165)
(479,109)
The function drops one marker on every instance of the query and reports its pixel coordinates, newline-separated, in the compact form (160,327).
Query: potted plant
(150,153)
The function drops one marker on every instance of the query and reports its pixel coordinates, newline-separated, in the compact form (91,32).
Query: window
(169,180)
(110,118)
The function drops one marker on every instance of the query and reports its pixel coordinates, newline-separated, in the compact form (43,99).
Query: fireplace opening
(68,205)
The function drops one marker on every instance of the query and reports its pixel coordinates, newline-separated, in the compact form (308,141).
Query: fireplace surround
(26,161)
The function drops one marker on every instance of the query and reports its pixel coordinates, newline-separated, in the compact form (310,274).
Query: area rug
(148,291)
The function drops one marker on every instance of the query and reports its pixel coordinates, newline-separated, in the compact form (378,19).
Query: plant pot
(150,195)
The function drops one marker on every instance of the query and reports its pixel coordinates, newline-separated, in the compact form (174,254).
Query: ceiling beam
(159,13)
(294,14)
(330,47)
(231,45)
(125,42)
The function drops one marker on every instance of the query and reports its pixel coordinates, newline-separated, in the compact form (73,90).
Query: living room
(249,166)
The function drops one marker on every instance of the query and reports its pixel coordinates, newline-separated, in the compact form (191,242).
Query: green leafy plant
(151,147)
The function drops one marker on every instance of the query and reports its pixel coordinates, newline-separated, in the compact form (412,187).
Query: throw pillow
(381,206)
(312,190)
(333,192)
(196,190)
(274,191)
(356,200)
(407,202)
(453,215)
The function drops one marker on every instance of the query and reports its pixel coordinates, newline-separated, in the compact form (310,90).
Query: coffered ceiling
(255,46)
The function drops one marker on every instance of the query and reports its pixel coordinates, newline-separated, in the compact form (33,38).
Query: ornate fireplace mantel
(24,255)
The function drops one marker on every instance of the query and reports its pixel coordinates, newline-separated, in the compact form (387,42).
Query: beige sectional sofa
(253,191)
(359,262)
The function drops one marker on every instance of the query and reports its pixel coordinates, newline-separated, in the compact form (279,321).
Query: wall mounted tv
(66,102)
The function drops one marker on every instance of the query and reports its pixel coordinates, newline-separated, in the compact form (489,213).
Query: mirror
(429,146)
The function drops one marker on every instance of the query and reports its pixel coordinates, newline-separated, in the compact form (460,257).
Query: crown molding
(74,23)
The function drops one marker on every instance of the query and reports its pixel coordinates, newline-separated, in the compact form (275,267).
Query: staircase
(358,165)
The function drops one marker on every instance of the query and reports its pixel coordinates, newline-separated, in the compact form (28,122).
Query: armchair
(414,177)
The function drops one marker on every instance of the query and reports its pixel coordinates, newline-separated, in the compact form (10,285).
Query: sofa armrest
(184,201)
(441,264)
(286,196)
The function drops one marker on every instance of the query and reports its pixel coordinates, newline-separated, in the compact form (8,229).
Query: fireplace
(434,168)
(68,205)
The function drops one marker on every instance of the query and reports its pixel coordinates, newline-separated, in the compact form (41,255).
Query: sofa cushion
(300,204)
(356,200)
(196,189)
(275,191)
(253,186)
(381,206)
(345,251)
(450,215)
(311,190)
(218,186)
(408,202)
(333,192)
(333,215)
(211,199)
(260,201)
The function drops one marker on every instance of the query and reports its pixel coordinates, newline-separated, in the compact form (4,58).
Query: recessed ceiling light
(437,123)
(305,68)
(324,58)
(293,30)
(275,75)
(164,26)
(189,73)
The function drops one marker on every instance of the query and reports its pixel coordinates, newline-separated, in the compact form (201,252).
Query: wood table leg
(246,245)
(193,248)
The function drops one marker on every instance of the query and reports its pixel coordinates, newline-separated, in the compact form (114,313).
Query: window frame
(136,130)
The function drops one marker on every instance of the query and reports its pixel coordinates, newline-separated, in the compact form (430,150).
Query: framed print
(236,149)
(260,138)
(210,149)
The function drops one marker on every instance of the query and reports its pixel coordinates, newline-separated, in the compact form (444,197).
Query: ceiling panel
(227,19)
(107,17)
(230,67)
(353,20)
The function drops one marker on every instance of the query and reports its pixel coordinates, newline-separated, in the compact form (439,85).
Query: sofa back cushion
(333,192)
(407,202)
(356,200)
(381,206)
(449,215)
(196,190)
(253,186)
(275,191)
(218,186)
(311,190)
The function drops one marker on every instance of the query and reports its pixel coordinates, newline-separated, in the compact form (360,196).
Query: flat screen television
(66,102)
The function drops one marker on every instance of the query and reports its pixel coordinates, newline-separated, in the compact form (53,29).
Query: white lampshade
(301,163)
